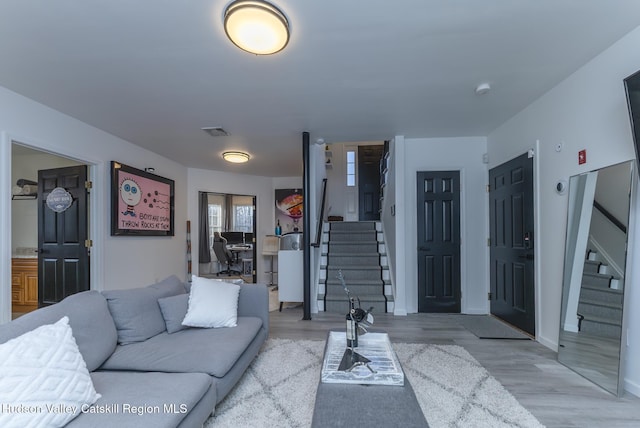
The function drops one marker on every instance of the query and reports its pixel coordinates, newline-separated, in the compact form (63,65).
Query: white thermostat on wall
(561,186)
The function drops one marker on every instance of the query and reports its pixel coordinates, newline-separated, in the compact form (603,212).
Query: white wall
(447,154)
(263,188)
(387,216)
(317,173)
(117,262)
(336,181)
(612,191)
(343,200)
(588,111)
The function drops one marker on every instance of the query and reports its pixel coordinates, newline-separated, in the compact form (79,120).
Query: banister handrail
(320,219)
(610,216)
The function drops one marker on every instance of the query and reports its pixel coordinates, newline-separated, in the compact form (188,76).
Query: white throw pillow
(43,378)
(212,304)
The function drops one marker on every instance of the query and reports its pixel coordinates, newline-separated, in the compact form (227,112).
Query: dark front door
(511,241)
(369,182)
(439,241)
(63,260)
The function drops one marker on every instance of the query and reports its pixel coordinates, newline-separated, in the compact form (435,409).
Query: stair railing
(321,217)
(610,216)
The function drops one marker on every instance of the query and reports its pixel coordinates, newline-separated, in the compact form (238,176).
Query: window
(243,218)
(229,213)
(351,168)
(215,221)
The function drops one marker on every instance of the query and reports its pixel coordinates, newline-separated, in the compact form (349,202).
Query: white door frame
(97,209)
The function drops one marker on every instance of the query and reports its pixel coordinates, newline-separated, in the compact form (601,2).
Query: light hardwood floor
(555,395)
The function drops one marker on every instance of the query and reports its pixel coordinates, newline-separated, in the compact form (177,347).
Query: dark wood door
(63,259)
(369,182)
(511,241)
(439,241)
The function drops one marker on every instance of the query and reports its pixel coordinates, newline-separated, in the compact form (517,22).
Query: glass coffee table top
(383,368)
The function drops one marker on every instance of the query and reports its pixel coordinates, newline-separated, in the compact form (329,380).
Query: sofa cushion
(206,350)
(212,304)
(43,369)
(170,286)
(136,312)
(134,399)
(173,309)
(89,318)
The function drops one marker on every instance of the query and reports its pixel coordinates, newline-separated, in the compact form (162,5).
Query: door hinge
(88,185)
(488,242)
(489,296)
(488,188)
(88,243)
(253,272)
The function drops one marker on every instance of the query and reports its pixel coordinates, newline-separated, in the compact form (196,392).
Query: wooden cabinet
(24,285)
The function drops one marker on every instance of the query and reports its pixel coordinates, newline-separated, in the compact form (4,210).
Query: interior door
(511,243)
(439,241)
(369,182)
(63,258)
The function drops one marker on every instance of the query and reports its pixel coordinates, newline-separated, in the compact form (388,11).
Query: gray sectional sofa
(147,376)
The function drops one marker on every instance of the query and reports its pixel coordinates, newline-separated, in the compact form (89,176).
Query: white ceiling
(154,72)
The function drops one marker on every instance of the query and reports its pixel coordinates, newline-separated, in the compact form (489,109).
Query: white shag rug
(453,389)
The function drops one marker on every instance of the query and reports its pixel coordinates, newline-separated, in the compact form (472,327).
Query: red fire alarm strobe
(582,157)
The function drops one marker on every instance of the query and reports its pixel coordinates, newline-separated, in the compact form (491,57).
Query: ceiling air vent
(215,131)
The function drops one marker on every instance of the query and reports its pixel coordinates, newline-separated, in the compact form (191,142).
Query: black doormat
(488,327)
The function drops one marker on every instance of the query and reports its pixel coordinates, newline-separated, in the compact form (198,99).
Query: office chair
(223,255)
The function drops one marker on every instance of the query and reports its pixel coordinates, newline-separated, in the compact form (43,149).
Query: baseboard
(548,343)
(632,387)
(475,312)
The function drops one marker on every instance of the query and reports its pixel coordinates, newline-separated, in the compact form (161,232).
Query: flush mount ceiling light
(256,26)
(236,157)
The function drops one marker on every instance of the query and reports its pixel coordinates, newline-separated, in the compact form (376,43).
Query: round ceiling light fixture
(256,26)
(236,157)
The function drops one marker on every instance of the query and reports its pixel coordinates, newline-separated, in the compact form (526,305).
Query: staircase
(600,303)
(357,249)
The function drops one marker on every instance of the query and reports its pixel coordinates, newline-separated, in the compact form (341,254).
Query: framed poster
(142,204)
(289,205)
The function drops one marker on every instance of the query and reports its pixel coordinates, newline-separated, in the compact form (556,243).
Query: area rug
(488,327)
(453,389)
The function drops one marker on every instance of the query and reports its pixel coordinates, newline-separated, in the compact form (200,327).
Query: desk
(238,249)
(239,252)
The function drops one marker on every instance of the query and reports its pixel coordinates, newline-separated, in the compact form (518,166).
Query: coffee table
(368,405)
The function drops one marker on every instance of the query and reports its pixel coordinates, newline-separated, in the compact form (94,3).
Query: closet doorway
(35,229)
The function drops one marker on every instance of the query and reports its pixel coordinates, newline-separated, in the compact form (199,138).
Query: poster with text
(141,203)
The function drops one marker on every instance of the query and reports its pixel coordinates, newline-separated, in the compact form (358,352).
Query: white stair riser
(383,262)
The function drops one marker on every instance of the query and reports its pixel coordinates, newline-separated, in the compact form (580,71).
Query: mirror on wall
(595,268)
(227,226)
